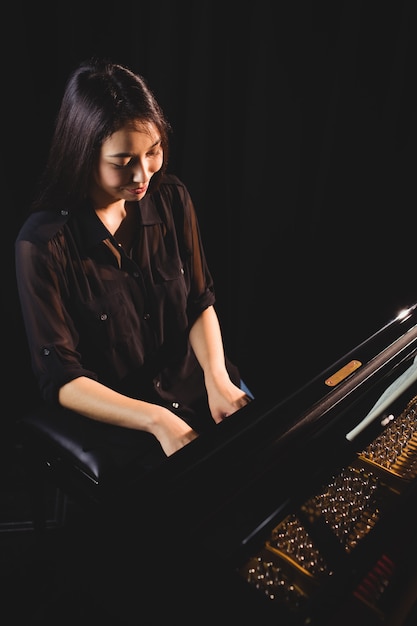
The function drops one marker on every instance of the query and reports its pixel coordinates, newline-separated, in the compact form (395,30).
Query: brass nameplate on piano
(343,373)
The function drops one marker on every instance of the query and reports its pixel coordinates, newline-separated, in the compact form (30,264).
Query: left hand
(224,399)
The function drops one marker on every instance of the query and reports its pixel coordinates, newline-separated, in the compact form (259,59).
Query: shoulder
(173,191)
(171,184)
(42,226)
(171,180)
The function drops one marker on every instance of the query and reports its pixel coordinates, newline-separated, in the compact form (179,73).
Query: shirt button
(64,212)
(46,351)
(175,405)
(146,316)
(136,274)
(103,317)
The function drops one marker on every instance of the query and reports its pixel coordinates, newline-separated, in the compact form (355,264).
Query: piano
(301,512)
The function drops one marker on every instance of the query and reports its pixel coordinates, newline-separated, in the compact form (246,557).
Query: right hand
(172,432)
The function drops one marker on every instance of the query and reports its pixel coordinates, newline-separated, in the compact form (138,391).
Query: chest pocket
(111,317)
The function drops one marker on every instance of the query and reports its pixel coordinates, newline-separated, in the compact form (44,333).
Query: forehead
(134,135)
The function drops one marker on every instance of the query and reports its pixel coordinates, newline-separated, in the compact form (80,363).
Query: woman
(116,295)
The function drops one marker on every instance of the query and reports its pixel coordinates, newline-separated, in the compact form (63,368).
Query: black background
(295,131)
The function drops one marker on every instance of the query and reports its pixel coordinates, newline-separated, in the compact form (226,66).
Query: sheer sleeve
(52,339)
(197,273)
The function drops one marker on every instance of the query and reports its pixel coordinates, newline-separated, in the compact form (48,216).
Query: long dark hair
(99,98)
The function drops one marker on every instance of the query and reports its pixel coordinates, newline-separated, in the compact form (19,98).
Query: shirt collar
(92,230)
(148,212)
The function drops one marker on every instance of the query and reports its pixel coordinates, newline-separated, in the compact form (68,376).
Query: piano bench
(54,455)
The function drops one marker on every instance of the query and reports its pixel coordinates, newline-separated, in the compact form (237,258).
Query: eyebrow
(128,154)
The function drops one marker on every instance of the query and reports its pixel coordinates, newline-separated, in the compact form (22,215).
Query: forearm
(207,344)
(224,397)
(98,402)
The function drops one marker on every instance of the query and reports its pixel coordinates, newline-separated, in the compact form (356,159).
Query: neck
(112,215)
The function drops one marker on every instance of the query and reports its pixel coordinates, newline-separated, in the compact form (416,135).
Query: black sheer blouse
(117,309)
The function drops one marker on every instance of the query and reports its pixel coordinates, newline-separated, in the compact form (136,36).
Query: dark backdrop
(295,131)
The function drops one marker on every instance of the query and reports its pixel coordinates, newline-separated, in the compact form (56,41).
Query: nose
(139,175)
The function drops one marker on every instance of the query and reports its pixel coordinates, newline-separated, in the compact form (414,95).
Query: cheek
(110,178)
(156,165)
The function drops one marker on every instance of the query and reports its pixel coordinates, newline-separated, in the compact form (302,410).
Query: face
(128,160)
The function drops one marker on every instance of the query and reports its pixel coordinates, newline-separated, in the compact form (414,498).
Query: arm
(96,401)
(224,397)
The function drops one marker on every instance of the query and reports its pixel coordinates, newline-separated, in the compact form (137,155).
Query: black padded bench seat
(59,446)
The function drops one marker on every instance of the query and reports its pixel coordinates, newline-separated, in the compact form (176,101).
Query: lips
(138,190)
